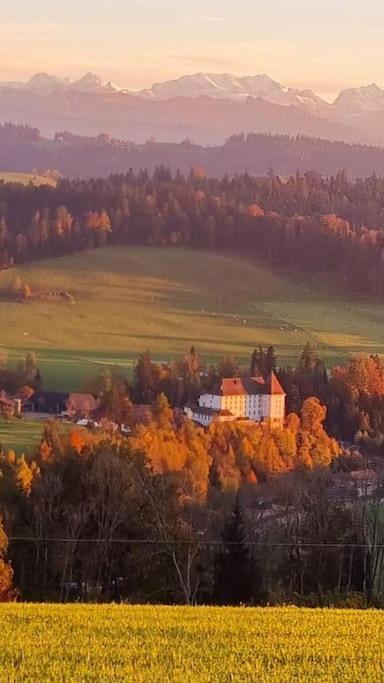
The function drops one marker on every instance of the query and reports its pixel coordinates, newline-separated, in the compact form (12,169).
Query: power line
(143,541)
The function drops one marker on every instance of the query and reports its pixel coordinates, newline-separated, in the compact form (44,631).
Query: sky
(325,45)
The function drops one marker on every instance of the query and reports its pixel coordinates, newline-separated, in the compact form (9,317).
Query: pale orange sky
(323,44)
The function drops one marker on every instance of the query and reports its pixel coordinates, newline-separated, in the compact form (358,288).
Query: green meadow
(21,436)
(128,299)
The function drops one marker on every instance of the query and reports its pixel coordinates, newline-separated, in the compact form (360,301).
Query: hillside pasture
(26,178)
(21,436)
(117,643)
(129,299)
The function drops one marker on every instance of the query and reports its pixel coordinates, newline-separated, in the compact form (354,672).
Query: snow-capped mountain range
(204,107)
(45,84)
(219,87)
(227,86)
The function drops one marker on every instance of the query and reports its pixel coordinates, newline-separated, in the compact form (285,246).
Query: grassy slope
(84,643)
(130,299)
(26,178)
(22,436)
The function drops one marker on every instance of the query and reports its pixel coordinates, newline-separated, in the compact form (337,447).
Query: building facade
(241,398)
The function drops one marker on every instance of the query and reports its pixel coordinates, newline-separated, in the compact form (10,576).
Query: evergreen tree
(228,367)
(270,360)
(307,359)
(232,566)
(145,389)
(258,361)
(190,370)
(31,367)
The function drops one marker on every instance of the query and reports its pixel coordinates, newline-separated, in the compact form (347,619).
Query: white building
(252,398)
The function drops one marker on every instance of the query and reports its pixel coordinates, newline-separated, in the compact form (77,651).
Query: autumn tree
(316,447)
(7,592)
(113,392)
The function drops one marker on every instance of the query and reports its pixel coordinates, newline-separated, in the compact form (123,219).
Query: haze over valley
(205,107)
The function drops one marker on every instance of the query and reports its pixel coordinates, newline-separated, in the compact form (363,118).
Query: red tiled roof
(240,386)
(274,387)
(82,402)
(249,386)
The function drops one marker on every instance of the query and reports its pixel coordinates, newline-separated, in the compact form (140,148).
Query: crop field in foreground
(129,299)
(113,643)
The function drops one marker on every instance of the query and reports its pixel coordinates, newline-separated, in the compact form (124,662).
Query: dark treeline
(307,222)
(22,149)
(11,133)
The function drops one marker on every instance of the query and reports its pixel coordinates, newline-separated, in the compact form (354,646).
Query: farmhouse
(81,405)
(10,406)
(250,398)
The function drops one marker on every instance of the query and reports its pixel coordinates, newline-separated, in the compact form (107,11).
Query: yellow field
(71,643)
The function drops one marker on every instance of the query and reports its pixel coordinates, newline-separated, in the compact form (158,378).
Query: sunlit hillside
(26,178)
(129,299)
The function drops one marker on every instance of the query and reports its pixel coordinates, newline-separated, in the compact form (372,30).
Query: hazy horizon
(138,42)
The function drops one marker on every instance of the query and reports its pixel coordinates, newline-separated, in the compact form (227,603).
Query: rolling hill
(26,178)
(131,299)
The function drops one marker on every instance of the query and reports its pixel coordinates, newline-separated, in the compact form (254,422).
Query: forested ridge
(23,149)
(306,222)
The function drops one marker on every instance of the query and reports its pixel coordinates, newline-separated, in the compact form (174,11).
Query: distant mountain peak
(90,78)
(368,98)
(92,82)
(46,81)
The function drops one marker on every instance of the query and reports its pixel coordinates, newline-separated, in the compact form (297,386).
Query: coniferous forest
(306,222)
(24,149)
